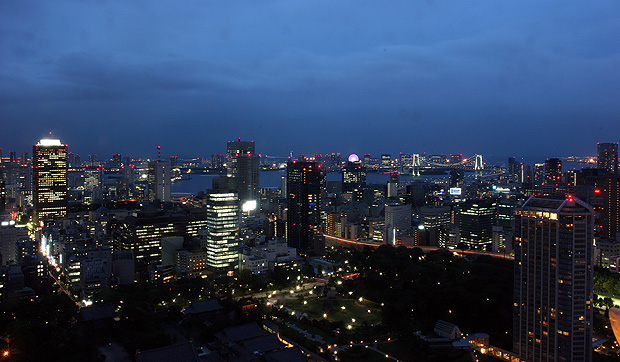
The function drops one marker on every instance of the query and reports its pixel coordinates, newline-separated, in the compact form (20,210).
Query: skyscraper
(512,169)
(553,280)
(305,182)
(49,178)
(353,176)
(610,187)
(222,225)
(116,160)
(553,171)
(386,160)
(158,177)
(476,222)
(2,190)
(242,163)
(607,157)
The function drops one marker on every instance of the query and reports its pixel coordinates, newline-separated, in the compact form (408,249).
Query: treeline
(606,283)
(417,289)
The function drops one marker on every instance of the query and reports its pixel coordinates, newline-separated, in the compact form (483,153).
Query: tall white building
(399,217)
(222,241)
(10,235)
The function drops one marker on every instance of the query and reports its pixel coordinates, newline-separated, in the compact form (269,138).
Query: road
(424,248)
(62,287)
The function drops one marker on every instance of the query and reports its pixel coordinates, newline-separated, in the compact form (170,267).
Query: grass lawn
(327,337)
(364,311)
(396,349)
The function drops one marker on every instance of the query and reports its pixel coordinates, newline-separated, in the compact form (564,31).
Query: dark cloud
(492,77)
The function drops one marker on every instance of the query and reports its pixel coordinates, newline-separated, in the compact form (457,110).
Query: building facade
(305,182)
(158,177)
(242,162)
(476,222)
(353,176)
(49,178)
(553,280)
(607,157)
(553,171)
(222,242)
(610,187)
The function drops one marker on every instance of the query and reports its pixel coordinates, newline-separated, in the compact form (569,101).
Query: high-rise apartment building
(49,179)
(222,243)
(305,182)
(243,163)
(607,157)
(553,280)
(158,177)
(610,188)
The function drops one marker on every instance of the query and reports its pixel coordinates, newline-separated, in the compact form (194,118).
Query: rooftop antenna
(158,153)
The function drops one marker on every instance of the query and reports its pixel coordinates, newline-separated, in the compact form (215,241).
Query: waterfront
(202,182)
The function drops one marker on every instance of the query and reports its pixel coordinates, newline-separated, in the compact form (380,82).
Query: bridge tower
(479,165)
(416,165)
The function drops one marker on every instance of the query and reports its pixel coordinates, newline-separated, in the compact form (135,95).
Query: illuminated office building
(386,160)
(222,227)
(305,182)
(49,177)
(553,280)
(353,176)
(143,234)
(476,222)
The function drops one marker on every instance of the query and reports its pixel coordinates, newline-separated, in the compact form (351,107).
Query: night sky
(494,77)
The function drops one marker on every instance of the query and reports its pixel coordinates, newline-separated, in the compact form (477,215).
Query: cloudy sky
(495,77)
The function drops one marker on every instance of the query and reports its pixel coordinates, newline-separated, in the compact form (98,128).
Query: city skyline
(515,78)
(158,153)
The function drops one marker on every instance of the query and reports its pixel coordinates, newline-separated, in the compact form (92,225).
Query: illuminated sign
(455,191)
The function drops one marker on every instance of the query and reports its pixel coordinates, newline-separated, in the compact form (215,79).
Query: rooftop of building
(204,306)
(567,204)
(178,352)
